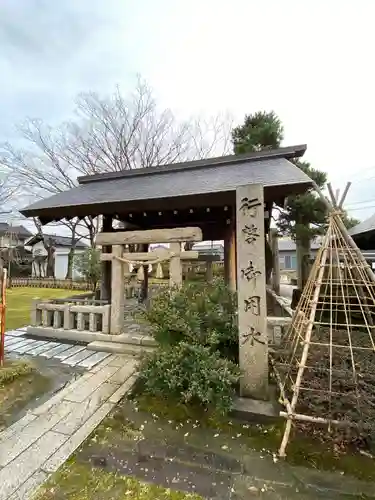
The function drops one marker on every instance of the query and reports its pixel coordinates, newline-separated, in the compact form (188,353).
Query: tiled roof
(269,168)
(363,227)
(287,245)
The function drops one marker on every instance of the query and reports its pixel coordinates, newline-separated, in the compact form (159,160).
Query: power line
(372,200)
(360,208)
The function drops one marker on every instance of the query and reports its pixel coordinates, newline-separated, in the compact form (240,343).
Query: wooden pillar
(105,285)
(209,271)
(175,268)
(275,261)
(230,258)
(251,290)
(144,285)
(118,291)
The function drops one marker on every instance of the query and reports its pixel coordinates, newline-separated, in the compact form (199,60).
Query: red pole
(2,317)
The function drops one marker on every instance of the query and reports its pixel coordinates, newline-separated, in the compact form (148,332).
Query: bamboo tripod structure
(330,344)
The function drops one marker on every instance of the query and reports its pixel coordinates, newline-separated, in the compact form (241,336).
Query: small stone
(239,435)
(99,461)
(216,435)
(186,434)
(224,447)
(253,489)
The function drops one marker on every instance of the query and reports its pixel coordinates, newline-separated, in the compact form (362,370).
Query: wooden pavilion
(229,198)
(198,193)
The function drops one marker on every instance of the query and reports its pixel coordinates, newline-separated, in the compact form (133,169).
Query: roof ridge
(286,152)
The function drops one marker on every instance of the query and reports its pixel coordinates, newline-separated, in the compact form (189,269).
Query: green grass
(19,302)
(75,481)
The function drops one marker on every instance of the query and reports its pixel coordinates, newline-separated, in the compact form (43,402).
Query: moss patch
(14,369)
(76,481)
(20,382)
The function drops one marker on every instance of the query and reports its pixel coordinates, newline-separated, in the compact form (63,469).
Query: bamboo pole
(349,240)
(306,346)
(341,202)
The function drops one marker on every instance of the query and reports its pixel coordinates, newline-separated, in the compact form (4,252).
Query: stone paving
(40,442)
(79,356)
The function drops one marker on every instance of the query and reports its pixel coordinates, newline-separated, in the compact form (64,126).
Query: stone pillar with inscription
(251,291)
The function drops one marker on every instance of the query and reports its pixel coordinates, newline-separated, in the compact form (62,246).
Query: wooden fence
(49,283)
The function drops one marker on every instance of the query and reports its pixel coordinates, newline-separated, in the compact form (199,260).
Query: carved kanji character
(250,206)
(252,336)
(252,304)
(250,272)
(251,233)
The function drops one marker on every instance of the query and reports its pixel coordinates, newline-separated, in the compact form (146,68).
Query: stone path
(79,356)
(39,443)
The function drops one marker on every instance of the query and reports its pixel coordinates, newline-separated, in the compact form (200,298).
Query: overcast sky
(311,61)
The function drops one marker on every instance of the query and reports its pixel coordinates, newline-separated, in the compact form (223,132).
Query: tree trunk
(303,261)
(50,262)
(69,271)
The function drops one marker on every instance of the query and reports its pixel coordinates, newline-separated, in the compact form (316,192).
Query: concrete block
(59,348)
(123,389)
(103,363)
(14,445)
(80,356)
(14,475)
(255,410)
(85,389)
(46,407)
(29,487)
(16,345)
(64,452)
(17,427)
(93,360)
(76,418)
(123,373)
(15,333)
(130,349)
(69,352)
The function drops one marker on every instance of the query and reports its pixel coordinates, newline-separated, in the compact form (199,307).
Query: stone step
(135,338)
(119,348)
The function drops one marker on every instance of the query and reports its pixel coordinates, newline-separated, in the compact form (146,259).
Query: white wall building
(62,245)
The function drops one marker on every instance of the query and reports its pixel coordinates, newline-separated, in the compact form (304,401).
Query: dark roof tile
(171,183)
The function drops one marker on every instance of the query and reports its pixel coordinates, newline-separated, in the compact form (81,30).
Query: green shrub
(203,314)
(191,373)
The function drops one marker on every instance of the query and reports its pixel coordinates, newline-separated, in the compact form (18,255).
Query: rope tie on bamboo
(145,262)
(337,212)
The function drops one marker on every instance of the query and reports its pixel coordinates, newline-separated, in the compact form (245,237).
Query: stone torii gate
(121,260)
(245,270)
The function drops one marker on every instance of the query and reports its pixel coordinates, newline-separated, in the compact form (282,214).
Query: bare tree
(111,133)
(43,168)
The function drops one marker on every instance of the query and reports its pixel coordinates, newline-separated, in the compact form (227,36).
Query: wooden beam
(105,285)
(155,254)
(150,236)
(275,261)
